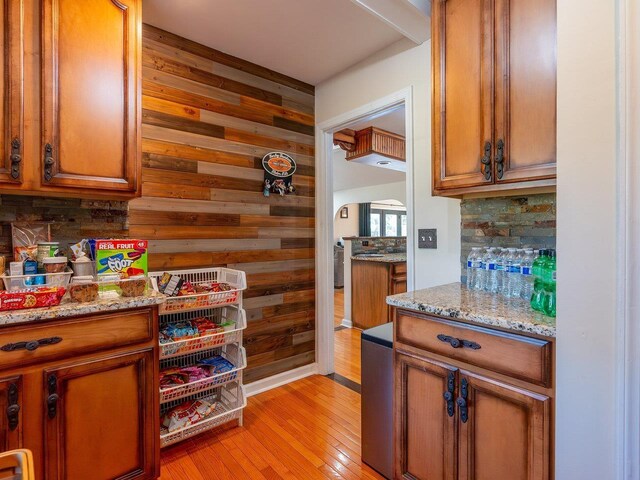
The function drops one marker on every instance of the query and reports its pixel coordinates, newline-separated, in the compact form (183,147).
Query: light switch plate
(427,238)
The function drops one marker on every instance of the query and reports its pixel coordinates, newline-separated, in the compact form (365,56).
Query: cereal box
(125,258)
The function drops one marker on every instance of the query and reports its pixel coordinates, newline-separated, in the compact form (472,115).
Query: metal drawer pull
(30,345)
(485,161)
(15,158)
(13,408)
(458,343)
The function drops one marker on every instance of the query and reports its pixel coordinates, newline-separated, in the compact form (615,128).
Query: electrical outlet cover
(427,238)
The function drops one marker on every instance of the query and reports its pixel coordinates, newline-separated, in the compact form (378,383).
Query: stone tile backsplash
(521,221)
(379,245)
(71,219)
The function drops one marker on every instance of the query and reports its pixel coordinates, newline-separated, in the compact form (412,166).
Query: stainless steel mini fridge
(377,398)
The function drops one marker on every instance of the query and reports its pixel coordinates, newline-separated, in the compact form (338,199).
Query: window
(388,223)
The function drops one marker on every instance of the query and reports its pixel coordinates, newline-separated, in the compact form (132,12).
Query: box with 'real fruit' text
(125,258)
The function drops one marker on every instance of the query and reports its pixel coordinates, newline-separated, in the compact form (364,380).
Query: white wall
(586,240)
(394,68)
(346,227)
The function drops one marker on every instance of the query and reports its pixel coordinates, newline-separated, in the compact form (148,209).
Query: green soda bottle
(549,277)
(538,285)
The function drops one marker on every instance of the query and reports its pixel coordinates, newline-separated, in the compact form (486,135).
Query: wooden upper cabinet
(505,433)
(11,88)
(525,114)
(101,422)
(462,91)
(494,95)
(91,94)
(425,421)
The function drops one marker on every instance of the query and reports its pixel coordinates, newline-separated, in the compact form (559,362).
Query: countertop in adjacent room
(69,308)
(385,258)
(454,300)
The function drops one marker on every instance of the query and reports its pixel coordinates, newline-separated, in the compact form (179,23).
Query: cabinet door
(11,80)
(506,432)
(10,413)
(525,72)
(462,50)
(90,82)
(102,419)
(425,428)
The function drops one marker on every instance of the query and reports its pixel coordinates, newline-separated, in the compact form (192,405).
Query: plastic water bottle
(549,277)
(480,272)
(526,275)
(539,265)
(510,272)
(489,269)
(472,267)
(500,269)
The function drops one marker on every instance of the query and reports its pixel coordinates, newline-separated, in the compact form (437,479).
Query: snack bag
(124,258)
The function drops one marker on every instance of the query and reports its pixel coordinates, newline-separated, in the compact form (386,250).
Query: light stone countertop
(386,258)
(69,308)
(454,300)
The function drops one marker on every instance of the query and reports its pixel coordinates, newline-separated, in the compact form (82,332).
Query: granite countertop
(385,258)
(456,301)
(69,308)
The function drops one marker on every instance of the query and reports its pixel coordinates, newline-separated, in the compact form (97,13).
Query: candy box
(125,258)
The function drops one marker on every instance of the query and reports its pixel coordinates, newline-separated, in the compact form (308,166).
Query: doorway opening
(348,193)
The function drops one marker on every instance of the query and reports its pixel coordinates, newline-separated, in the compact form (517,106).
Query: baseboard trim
(280,379)
(347,323)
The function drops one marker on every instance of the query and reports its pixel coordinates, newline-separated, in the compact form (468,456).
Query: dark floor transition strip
(345,382)
(339,327)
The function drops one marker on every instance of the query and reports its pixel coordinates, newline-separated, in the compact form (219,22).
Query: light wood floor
(309,429)
(347,353)
(338,307)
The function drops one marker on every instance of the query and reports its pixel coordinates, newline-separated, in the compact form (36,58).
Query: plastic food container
(83,269)
(54,264)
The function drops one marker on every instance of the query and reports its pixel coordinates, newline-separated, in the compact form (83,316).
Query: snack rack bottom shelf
(222,391)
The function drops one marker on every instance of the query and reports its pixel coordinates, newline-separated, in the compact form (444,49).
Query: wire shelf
(236,278)
(233,334)
(230,400)
(234,354)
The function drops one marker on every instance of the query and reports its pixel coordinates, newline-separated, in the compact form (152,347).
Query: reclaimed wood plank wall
(208,118)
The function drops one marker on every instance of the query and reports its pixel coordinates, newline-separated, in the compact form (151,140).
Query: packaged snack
(170,284)
(187,289)
(206,326)
(83,292)
(125,258)
(45,250)
(133,287)
(25,238)
(32,298)
(187,413)
(54,264)
(180,331)
(217,364)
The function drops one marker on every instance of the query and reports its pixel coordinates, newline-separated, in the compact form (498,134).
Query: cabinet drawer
(400,269)
(517,356)
(73,336)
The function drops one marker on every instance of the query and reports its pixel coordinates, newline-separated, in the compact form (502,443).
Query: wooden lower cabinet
(425,432)
(455,421)
(99,420)
(506,434)
(88,415)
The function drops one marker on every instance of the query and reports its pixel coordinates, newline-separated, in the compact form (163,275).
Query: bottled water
(480,272)
(515,277)
(510,275)
(500,269)
(526,275)
(472,267)
(538,267)
(489,279)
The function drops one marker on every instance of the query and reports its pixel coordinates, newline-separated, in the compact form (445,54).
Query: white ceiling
(310,40)
(348,175)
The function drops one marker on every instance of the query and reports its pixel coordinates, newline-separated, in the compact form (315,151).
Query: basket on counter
(235,278)
(21,282)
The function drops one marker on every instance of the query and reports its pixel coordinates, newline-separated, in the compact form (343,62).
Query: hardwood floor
(347,353)
(338,307)
(309,429)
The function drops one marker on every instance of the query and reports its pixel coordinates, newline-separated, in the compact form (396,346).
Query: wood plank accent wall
(208,118)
